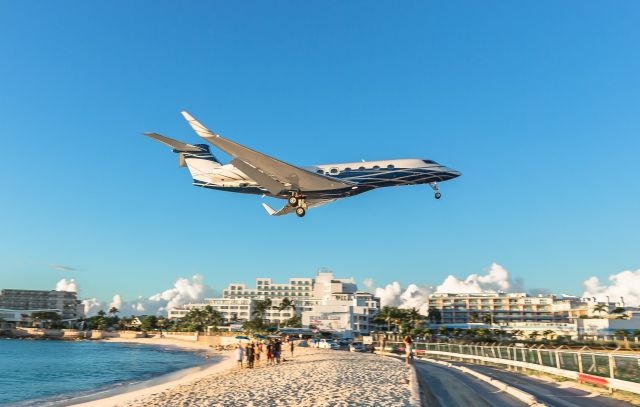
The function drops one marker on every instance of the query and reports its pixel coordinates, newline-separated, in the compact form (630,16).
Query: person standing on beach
(269,354)
(408,348)
(291,346)
(258,350)
(239,355)
(250,356)
(277,350)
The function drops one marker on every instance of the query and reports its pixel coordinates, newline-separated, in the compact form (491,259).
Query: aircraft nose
(452,173)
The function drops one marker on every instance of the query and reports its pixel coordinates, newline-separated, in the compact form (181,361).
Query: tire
(300,212)
(293,201)
(438,195)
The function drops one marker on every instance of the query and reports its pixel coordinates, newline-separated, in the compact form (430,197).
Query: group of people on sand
(252,352)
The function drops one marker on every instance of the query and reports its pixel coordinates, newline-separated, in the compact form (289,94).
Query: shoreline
(118,395)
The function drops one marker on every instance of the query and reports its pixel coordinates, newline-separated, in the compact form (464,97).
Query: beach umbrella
(259,336)
(274,336)
(242,337)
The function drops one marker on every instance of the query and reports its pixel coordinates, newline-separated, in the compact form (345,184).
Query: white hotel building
(324,302)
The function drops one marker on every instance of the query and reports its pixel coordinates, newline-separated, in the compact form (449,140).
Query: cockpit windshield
(429,162)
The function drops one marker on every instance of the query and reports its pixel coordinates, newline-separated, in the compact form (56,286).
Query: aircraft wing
(289,209)
(290,176)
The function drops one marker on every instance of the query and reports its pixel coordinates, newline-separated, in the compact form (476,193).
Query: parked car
(325,343)
(357,347)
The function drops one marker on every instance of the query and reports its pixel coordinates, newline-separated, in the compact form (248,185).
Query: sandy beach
(314,377)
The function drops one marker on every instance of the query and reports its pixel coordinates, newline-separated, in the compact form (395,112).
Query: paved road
(441,386)
(549,393)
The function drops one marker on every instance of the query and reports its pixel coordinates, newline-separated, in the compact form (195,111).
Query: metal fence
(615,367)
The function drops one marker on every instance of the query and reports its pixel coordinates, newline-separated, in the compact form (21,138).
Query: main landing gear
(298,203)
(434,186)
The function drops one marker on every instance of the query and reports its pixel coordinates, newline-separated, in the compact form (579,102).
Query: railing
(616,370)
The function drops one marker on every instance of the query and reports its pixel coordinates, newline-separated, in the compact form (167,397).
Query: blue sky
(537,104)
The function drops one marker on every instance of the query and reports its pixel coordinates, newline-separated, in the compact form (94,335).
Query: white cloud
(62,267)
(184,290)
(116,301)
(368,284)
(497,278)
(414,296)
(389,294)
(625,284)
(67,285)
(92,306)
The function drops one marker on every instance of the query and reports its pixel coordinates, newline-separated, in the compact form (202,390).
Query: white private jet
(251,172)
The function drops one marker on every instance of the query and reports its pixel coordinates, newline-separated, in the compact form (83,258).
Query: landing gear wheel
(293,201)
(438,195)
(300,212)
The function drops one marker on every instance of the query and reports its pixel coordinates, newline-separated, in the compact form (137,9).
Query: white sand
(314,377)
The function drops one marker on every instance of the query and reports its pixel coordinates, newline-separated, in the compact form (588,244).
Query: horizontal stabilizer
(178,146)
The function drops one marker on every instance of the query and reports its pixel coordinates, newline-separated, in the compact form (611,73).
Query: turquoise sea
(40,372)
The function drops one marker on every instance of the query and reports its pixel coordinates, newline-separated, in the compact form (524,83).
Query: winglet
(197,126)
(269,209)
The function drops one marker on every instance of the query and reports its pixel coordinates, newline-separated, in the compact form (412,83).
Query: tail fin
(196,157)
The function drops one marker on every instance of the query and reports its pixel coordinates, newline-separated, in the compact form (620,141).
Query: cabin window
(390,166)
(334,170)
(320,172)
(347,169)
(362,168)
(376,167)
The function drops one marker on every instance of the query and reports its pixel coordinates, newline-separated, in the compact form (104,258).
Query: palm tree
(621,333)
(600,308)
(547,333)
(618,310)
(113,311)
(415,318)
(261,308)
(385,315)
(287,303)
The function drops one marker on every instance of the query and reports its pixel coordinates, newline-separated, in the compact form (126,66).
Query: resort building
(16,304)
(232,309)
(502,308)
(323,302)
(345,313)
(570,316)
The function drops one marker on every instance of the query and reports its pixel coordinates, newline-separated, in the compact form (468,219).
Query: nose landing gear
(434,186)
